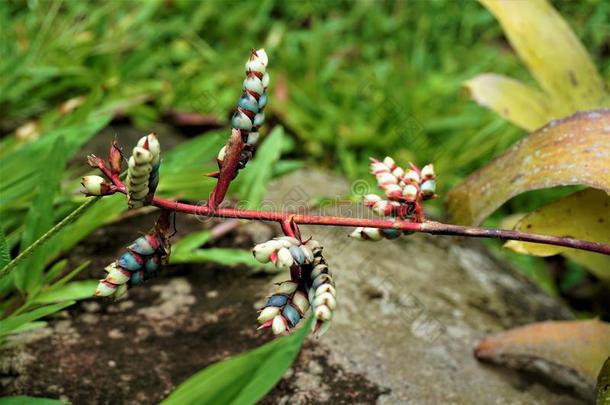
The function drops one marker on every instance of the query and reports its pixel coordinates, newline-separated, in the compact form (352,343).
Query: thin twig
(50,233)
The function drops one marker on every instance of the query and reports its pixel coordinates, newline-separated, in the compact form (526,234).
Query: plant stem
(228,169)
(48,235)
(430,227)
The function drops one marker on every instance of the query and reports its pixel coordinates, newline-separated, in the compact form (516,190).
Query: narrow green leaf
(40,217)
(5,255)
(76,290)
(60,283)
(224,256)
(191,242)
(243,379)
(25,400)
(10,324)
(252,184)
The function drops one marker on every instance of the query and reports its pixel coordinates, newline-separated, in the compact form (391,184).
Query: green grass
(350,79)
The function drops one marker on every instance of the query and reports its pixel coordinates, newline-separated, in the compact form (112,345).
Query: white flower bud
(104,289)
(279,325)
(267,314)
(379,167)
(389,162)
(255,65)
(221,153)
(373,234)
(94,185)
(386,178)
(284,259)
(325,288)
(357,233)
(427,171)
(153,144)
(411,177)
(254,84)
(253,138)
(326,299)
(300,301)
(371,199)
(117,275)
(263,251)
(261,55)
(287,287)
(287,241)
(307,253)
(265,80)
(428,187)
(141,156)
(398,172)
(409,192)
(393,191)
(323,313)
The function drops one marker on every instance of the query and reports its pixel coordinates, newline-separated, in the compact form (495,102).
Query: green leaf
(255,178)
(517,102)
(603,384)
(39,219)
(76,290)
(570,151)
(191,242)
(243,379)
(552,53)
(25,400)
(224,256)
(5,254)
(10,324)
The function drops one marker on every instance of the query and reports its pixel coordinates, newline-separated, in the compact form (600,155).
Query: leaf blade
(571,151)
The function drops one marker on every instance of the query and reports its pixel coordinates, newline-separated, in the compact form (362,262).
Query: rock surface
(409,312)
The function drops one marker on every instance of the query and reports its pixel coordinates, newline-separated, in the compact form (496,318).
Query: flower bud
(151,143)
(287,287)
(267,314)
(259,119)
(141,156)
(307,253)
(279,325)
(291,315)
(398,172)
(262,252)
(384,179)
(409,192)
(105,289)
(427,171)
(262,101)
(248,102)
(300,301)
(326,299)
(253,83)
(323,313)
(284,259)
(393,191)
(371,199)
(411,177)
(379,167)
(239,120)
(428,188)
(117,275)
(94,185)
(389,162)
(261,55)
(252,138)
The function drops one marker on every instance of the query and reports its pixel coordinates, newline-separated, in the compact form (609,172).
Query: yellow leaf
(552,53)
(580,347)
(573,150)
(582,215)
(519,103)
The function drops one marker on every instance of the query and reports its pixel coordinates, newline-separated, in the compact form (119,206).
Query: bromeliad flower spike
(311,287)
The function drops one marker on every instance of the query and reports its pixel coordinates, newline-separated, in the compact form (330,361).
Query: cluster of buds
(402,187)
(311,285)
(405,190)
(141,260)
(250,115)
(143,171)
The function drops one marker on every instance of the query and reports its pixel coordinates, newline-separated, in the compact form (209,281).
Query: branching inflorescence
(311,286)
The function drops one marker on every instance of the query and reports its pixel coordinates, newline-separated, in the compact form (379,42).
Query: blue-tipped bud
(389,233)
(137,277)
(292,315)
(254,84)
(130,261)
(143,245)
(241,121)
(248,102)
(262,101)
(259,119)
(277,300)
(297,254)
(152,264)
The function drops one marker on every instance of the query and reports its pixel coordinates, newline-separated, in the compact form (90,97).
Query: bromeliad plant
(311,284)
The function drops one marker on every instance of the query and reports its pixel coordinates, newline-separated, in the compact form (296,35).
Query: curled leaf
(552,52)
(570,353)
(573,150)
(582,215)
(516,101)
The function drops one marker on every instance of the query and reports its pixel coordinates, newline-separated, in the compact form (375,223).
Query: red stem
(228,169)
(434,228)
